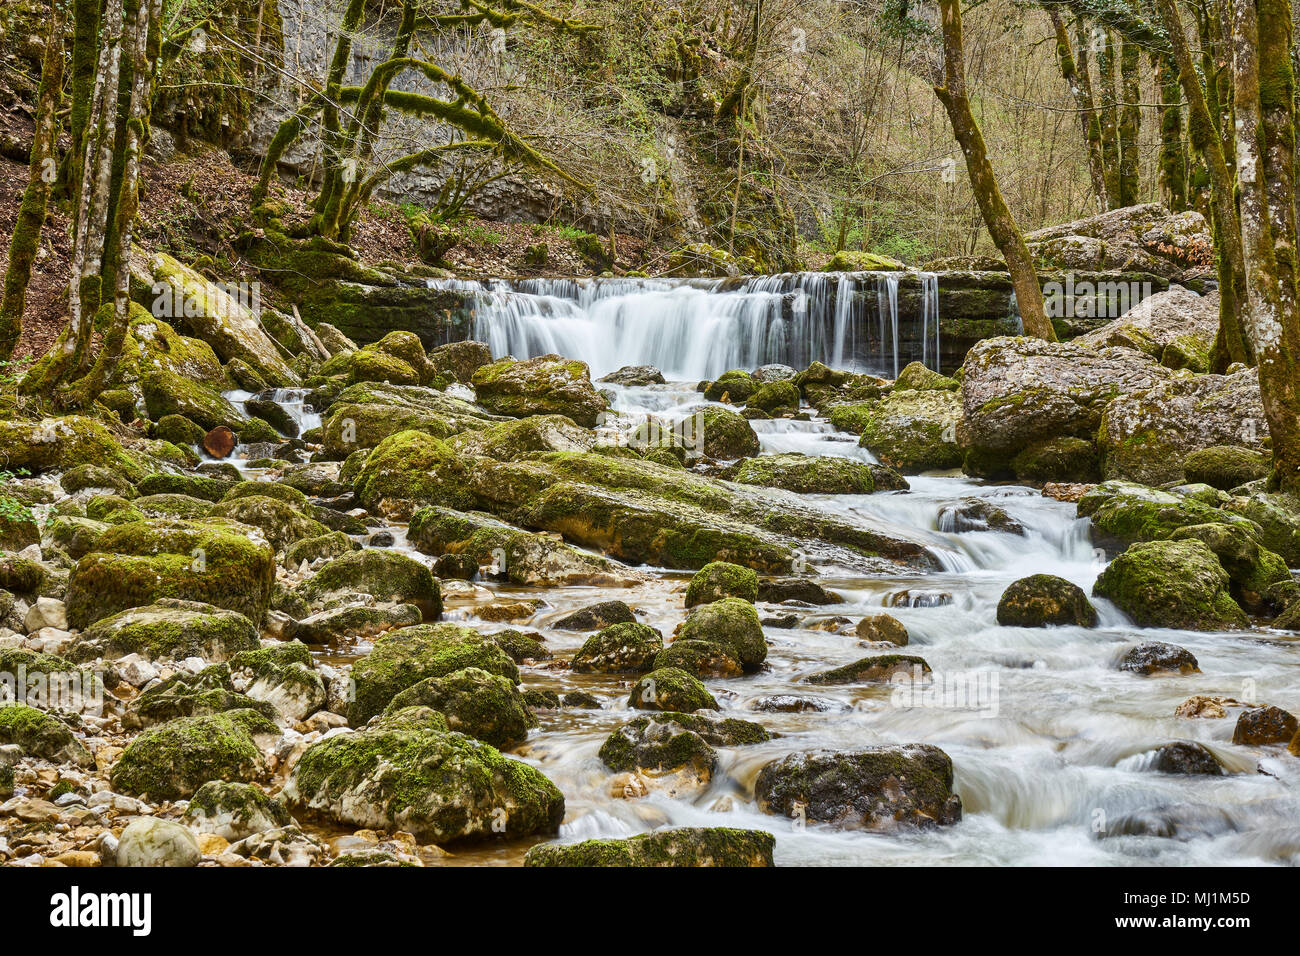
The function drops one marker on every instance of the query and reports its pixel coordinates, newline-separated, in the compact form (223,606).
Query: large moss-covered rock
(670,688)
(110,480)
(282,676)
(1043,599)
(722,434)
(731,623)
(507,441)
(1277,518)
(1123,512)
(403,658)
(234,810)
(826,475)
(407,772)
(878,788)
(208,692)
(411,470)
(1057,459)
(169,628)
(1251,566)
(363,415)
(776,398)
(171,761)
(546,385)
(881,668)
(476,703)
(1171,584)
(620,648)
(1147,436)
(193,486)
(42,735)
(280,523)
(53,444)
(460,360)
(1019,392)
(76,536)
(684,846)
(669,740)
(1225,466)
(733,386)
(210,561)
(720,579)
(914,430)
(387,576)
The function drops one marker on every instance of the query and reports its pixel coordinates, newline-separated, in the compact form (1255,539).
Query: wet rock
(1156,657)
(1186,758)
(208,692)
(879,788)
(546,385)
(723,435)
(461,567)
(791,704)
(168,628)
(1265,725)
(171,761)
(1044,599)
(1251,567)
(734,386)
(672,740)
(914,430)
(916,597)
(149,841)
(879,669)
(407,656)
(597,616)
(1201,706)
(775,398)
(686,846)
(882,628)
(777,590)
(720,579)
(732,624)
(672,689)
(234,810)
(474,702)
(628,647)
(1226,466)
(581,700)
(460,360)
(218,442)
(1177,584)
(808,475)
(407,772)
(699,657)
(1148,436)
(977,514)
(635,375)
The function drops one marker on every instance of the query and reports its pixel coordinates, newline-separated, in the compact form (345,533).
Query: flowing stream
(1051,744)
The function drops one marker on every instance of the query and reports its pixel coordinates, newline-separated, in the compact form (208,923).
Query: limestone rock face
(1175,327)
(1145,238)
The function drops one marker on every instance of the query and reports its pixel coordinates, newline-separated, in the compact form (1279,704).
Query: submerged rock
(1156,657)
(882,628)
(1186,758)
(686,846)
(408,772)
(879,788)
(879,669)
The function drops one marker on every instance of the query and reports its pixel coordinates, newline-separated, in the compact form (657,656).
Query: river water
(1051,743)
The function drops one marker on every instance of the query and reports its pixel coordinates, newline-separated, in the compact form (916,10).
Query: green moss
(170,630)
(731,623)
(476,703)
(878,669)
(410,470)
(196,486)
(670,689)
(628,647)
(1171,584)
(388,576)
(171,761)
(808,475)
(41,735)
(693,847)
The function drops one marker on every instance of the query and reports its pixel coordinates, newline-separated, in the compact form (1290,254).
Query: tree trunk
(1075,77)
(1130,123)
(41,175)
(998,219)
(1110,148)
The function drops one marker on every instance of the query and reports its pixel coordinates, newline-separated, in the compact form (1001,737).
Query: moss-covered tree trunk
(1130,123)
(40,177)
(1173,157)
(1075,74)
(1107,102)
(85,54)
(998,219)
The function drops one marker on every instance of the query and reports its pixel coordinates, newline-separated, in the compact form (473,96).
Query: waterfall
(694,329)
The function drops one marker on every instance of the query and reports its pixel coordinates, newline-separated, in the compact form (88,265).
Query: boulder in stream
(1043,599)
(1178,584)
(684,846)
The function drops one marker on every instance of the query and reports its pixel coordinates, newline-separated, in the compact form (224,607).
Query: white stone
(46,612)
(136,670)
(153,842)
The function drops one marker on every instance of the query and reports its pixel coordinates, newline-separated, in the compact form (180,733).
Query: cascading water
(694,329)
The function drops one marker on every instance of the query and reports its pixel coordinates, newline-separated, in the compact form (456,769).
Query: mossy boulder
(93,476)
(193,486)
(234,810)
(387,576)
(42,735)
(546,385)
(1123,512)
(324,547)
(169,628)
(882,668)
(877,788)
(724,435)
(280,523)
(179,430)
(1251,567)
(825,475)
(171,761)
(776,398)
(140,562)
(683,846)
(1067,459)
(208,692)
(627,648)
(701,658)
(734,386)
(721,579)
(669,740)
(460,360)
(1177,584)
(1226,466)
(670,688)
(1277,517)
(476,703)
(54,444)
(184,507)
(914,430)
(731,623)
(508,441)
(18,529)
(916,377)
(403,658)
(1043,599)
(882,629)
(409,471)
(21,575)
(407,772)
(282,676)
